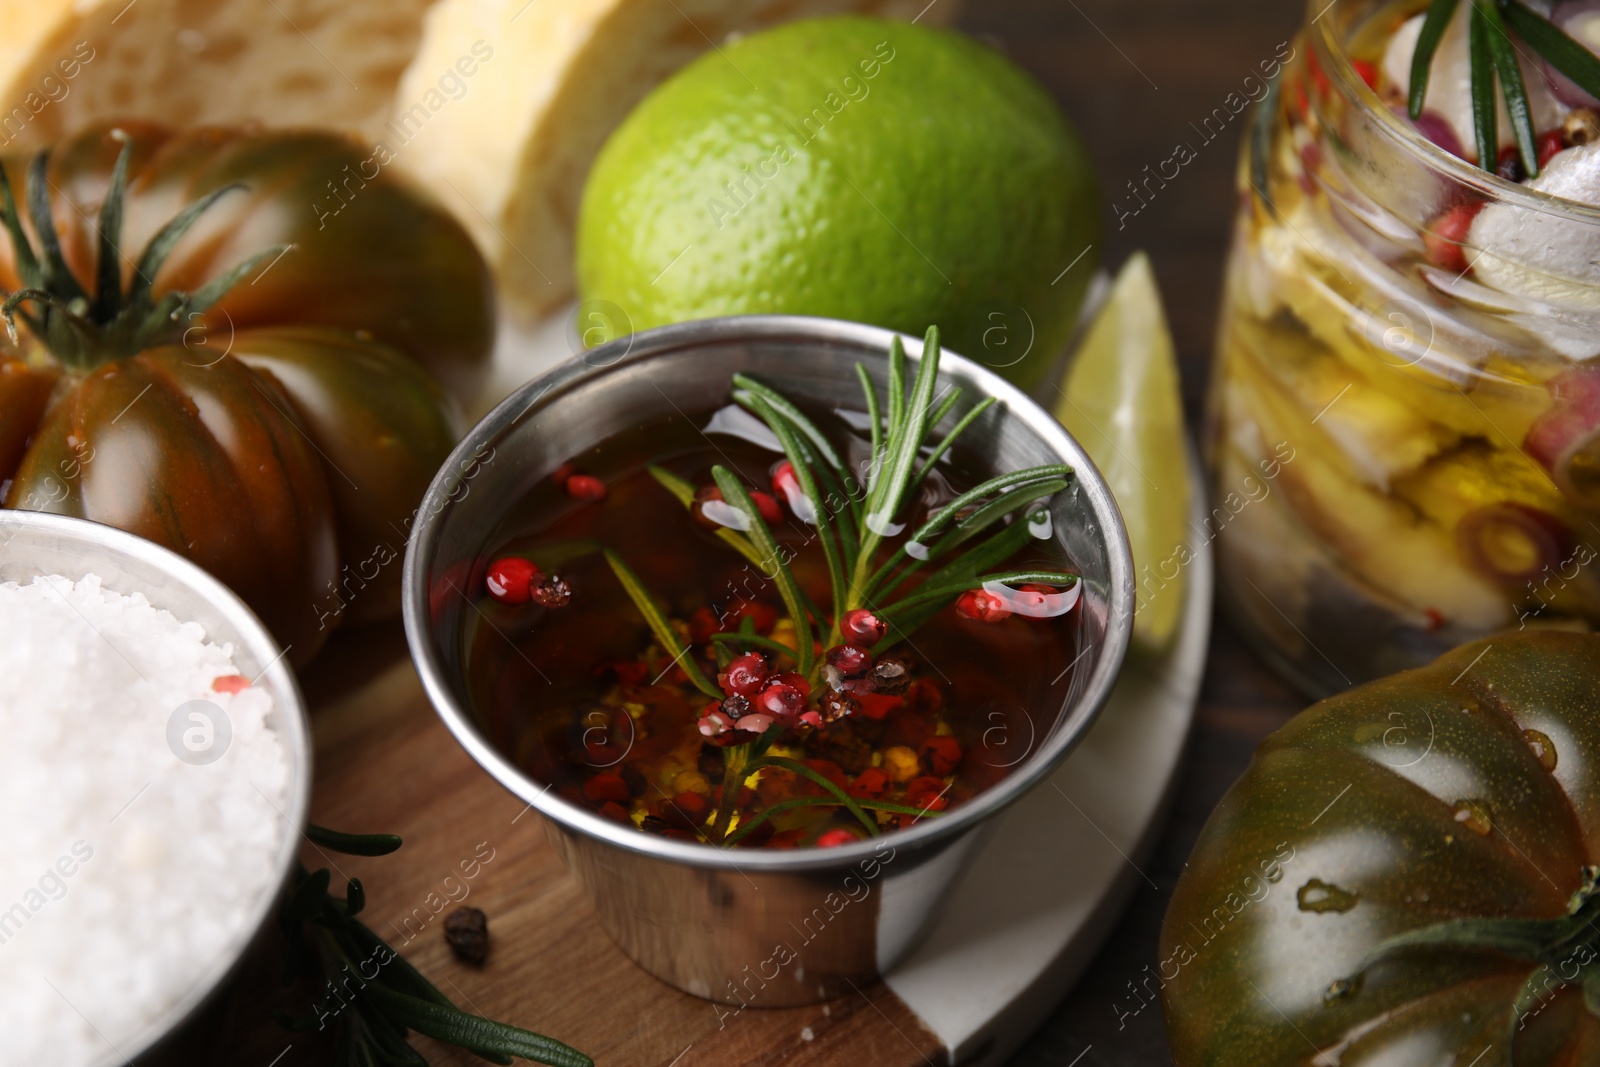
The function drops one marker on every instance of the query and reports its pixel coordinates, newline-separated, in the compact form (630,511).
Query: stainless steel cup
(751,928)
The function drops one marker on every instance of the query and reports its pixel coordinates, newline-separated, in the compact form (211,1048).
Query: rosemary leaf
(685,494)
(965,530)
(950,438)
(945,591)
(781,404)
(765,741)
(986,516)
(353,844)
(947,405)
(1555,46)
(756,641)
(1484,120)
(1433,27)
(905,618)
(897,401)
(779,808)
(844,506)
(385,1005)
(808,488)
(827,475)
(839,795)
(904,444)
(309,896)
(996,550)
(1511,86)
(898,809)
(389,1035)
(1048,474)
(398,971)
(475,1033)
(793,599)
(792,803)
(874,418)
(660,626)
(355,897)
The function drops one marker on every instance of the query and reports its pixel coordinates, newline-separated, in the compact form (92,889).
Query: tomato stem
(84,331)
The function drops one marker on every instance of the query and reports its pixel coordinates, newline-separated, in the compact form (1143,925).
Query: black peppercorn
(891,675)
(466,930)
(553,592)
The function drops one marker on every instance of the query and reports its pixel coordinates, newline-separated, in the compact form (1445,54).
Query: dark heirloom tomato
(278,423)
(1404,876)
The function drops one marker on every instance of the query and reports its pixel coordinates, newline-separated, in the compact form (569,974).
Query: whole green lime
(850,167)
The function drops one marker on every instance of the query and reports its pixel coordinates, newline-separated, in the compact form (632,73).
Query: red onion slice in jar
(1437,129)
(1566,438)
(1513,543)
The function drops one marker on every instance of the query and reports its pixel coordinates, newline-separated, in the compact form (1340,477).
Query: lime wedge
(1120,399)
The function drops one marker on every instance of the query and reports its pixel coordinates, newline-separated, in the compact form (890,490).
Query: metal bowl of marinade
(754,926)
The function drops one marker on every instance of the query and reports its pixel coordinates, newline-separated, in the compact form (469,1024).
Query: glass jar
(1404,411)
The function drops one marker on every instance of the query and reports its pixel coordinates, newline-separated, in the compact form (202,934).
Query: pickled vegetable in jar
(1404,423)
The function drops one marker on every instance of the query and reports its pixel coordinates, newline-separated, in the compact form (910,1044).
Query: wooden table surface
(1133,77)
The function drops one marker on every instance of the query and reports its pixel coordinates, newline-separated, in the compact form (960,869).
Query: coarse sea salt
(127,873)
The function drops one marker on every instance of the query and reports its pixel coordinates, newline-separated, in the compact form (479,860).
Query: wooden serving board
(385,763)
(1030,911)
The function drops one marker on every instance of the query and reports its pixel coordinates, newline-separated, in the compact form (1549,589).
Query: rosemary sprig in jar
(1493,56)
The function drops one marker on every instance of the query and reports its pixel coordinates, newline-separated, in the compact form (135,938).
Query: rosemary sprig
(1492,55)
(960,544)
(899,427)
(372,1014)
(661,626)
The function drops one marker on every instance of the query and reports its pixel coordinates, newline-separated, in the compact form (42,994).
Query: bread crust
(333,63)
